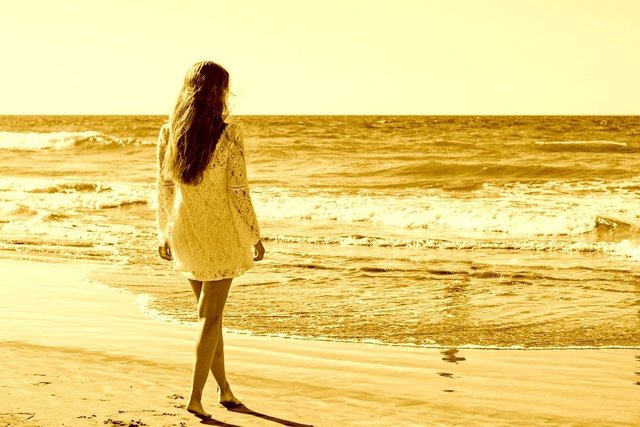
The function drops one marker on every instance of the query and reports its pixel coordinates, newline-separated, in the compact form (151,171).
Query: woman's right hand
(259,251)
(165,251)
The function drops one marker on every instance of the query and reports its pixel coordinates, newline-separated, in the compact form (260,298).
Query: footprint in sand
(445,374)
(132,423)
(450,356)
(175,396)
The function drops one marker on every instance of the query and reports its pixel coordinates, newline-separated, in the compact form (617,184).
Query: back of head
(197,122)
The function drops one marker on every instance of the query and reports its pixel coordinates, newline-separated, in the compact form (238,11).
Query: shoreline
(81,353)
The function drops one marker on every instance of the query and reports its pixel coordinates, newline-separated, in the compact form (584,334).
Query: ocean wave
(55,216)
(593,142)
(461,174)
(71,187)
(33,141)
(72,196)
(593,146)
(431,344)
(625,249)
(511,212)
(12,211)
(606,227)
(123,203)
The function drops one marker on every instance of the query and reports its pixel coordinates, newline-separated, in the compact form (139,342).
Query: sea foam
(512,213)
(30,141)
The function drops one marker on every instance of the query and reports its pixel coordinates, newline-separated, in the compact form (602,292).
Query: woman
(206,221)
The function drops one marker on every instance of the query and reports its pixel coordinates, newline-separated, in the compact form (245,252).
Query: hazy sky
(324,56)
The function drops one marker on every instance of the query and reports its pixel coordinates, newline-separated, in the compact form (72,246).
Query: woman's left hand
(258,251)
(165,251)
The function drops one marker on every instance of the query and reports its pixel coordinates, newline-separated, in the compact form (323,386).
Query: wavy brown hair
(197,122)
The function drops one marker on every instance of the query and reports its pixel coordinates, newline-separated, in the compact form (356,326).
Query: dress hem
(237,273)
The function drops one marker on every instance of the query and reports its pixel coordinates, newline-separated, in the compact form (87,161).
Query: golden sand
(77,353)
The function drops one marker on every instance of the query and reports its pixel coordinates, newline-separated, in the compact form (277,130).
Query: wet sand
(78,353)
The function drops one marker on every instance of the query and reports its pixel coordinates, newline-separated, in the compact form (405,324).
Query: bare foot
(196,409)
(227,399)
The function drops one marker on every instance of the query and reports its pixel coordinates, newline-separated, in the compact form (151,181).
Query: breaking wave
(625,248)
(594,146)
(33,141)
(514,214)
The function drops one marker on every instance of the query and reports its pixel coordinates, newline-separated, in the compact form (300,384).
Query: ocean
(487,231)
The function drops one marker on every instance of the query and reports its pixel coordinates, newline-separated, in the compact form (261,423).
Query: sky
(324,56)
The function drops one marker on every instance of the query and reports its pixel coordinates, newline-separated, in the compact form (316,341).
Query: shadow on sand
(214,422)
(245,410)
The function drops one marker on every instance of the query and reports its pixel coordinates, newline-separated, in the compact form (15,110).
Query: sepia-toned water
(425,230)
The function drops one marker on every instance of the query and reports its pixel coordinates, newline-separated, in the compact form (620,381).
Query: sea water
(413,230)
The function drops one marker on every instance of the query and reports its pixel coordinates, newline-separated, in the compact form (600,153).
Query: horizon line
(329,115)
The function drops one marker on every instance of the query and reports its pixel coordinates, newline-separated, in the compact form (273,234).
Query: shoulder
(234,132)
(163,136)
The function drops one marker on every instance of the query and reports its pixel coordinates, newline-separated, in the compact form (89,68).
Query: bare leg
(225,395)
(213,297)
(196,285)
(217,367)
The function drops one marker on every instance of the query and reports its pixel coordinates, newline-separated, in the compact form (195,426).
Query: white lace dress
(211,226)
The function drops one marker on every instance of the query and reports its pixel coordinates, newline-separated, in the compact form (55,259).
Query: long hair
(196,123)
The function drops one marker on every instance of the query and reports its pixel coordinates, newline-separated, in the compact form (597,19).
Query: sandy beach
(447,195)
(79,353)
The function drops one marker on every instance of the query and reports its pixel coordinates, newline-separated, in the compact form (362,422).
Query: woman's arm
(165,189)
(238,185)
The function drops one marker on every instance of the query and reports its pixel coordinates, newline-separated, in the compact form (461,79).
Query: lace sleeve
(165,189)
(238,186)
